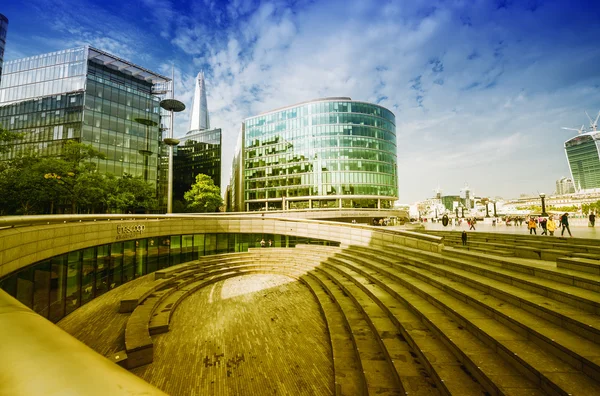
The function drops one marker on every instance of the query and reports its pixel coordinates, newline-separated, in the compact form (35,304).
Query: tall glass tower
(199,117)
(583,156)
(326,153)
(3,31)
(87,95)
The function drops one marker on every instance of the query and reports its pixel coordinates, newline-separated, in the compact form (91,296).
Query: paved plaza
(578,231)
(249,335)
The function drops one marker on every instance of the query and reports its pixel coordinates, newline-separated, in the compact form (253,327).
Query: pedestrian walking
(463,237)
(472,225)
(532,226)
(262,243)
(564,222)
(270,243)
(551,225)
(543,224)
(592,218)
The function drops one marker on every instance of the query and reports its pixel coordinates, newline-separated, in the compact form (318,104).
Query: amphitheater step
(379,374)
(541,365)
(478,359)
(349,377)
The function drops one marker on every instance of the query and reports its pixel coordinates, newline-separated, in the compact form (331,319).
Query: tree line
(30,184)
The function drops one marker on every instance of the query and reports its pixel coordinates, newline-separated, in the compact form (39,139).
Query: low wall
(26,240)
(38,358)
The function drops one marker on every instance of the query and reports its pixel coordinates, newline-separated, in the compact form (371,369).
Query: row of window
(50,103)
(339,178)
(322,107)
(46,88)
(114,78)
(119,95)
(56,287)
(333,120)
(338,154)
(258,170)
(44,60)
(308,191)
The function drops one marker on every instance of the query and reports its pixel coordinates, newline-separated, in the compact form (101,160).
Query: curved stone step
(348,372)
(380,377)
(481,361)
(450,376)
(553,374)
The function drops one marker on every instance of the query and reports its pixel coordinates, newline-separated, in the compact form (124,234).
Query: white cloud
(479,91)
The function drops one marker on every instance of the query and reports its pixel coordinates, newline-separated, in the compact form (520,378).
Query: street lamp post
(494,202)
(171,105)
(543,197)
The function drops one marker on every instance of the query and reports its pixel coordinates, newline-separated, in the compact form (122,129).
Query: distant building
(199,151)
(583,156)
(449,201)
(86,95)
(3,31)
(564,185)
(325,153)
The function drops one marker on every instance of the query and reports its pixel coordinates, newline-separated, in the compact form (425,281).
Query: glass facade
(329,153)
(198,152)
(86,95)
(57,286)
(3,32)
(583,155)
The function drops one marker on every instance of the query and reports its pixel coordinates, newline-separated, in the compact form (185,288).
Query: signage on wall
(129,231)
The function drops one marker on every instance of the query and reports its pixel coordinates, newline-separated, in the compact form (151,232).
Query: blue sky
(480,89)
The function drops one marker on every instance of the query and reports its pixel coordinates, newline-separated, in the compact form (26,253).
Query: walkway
(577,231)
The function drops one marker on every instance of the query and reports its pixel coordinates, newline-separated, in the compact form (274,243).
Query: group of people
(265,244)
(548,225)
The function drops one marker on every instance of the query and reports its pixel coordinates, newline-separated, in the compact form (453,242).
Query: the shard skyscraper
(199,120)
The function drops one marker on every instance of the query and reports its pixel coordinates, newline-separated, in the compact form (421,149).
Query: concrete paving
(577,231)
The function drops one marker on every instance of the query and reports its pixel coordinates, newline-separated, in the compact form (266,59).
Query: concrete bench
(579,264)
(129,303)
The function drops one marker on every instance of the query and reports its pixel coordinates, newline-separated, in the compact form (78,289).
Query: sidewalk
(578,231)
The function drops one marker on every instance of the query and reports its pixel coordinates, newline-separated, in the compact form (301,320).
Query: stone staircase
(407,321)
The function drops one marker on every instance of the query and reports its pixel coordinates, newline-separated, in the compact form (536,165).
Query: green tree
(6,138)
(203,196)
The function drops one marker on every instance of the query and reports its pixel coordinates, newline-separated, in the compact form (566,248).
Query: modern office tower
(325,153)
(3,31)
(87,95)
(564,185)
(583,156)
(199,119)
(198,152)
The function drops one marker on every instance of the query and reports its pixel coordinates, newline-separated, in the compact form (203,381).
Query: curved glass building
(325,153)
(583,156)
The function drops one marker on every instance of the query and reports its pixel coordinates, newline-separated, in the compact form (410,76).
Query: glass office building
(87,95)
(583,156)
(199,151)
(326,153)
(3,31)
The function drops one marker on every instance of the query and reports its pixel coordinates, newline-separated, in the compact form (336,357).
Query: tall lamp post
(173,106)
(543,197)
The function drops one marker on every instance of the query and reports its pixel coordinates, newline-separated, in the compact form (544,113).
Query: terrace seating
(402,320)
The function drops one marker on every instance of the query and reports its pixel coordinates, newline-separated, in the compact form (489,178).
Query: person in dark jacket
(464,238)
(564,222)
